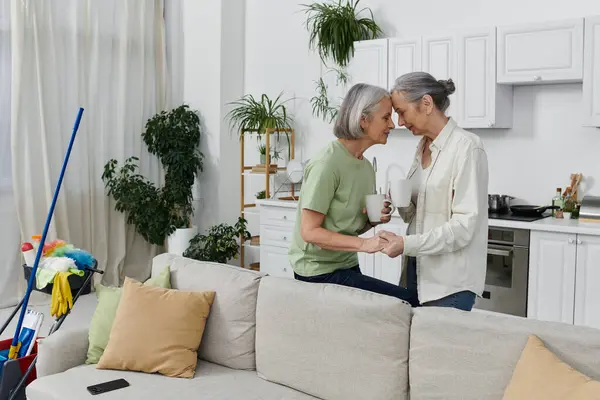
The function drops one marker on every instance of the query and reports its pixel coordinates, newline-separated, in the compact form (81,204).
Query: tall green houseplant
(157,212)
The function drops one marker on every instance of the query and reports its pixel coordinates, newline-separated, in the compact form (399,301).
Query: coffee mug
(375,205)
(400,191)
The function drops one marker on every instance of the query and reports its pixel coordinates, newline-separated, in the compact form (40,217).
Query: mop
(16,343)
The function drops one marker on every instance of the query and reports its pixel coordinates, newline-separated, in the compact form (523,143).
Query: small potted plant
(220,244)
(261,195)
(249,113)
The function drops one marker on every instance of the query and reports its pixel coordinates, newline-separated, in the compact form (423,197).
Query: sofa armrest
(61,351)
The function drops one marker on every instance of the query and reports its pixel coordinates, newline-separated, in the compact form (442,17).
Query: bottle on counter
(557,201)
(569,203)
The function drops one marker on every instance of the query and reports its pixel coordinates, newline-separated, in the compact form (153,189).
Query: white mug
(400,191)
(375,205)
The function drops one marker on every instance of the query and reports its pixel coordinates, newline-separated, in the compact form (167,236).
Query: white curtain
(109,57)
(10,259)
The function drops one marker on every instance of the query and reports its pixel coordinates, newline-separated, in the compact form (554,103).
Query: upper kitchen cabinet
(550,52)
(404,56)
(439,59)
(591,72)
(482,103)
(369,64)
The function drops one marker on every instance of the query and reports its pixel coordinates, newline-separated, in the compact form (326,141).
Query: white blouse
(450,216)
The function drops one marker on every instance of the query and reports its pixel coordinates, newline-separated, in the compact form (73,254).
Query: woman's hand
(374,244)
(395,244)
(386,214)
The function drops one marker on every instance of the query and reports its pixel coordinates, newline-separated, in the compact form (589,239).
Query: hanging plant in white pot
(162,213)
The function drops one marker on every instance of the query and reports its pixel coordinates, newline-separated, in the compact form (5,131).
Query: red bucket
(14,370)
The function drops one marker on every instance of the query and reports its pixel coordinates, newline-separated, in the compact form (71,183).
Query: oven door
(506,280)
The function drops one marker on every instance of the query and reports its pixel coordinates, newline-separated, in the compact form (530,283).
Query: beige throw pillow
(157,330)
(541,375)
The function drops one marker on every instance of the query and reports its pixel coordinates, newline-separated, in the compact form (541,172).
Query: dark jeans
(354,278)
(461,300)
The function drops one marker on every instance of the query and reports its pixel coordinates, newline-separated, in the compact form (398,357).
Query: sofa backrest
(230,330)
(332,341)
(460,355)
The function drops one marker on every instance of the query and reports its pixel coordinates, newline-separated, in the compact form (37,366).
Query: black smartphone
(108,386)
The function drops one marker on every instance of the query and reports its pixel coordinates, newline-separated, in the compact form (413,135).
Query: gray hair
(361,101)
(415,85)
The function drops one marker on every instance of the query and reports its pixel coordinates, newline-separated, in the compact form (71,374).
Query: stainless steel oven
(507,272)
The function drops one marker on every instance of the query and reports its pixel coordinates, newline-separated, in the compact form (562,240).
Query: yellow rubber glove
(62,298)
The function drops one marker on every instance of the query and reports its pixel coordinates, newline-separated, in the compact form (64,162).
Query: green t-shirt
(335,184)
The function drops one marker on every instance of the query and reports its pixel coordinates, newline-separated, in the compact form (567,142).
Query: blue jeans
(461,300)
(354,278)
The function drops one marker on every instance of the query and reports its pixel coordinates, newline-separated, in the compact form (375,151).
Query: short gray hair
(415,85)
(361,101)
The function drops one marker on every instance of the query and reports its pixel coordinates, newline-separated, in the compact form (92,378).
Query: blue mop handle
(14,346)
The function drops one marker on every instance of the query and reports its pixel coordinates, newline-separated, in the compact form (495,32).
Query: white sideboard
(277,219)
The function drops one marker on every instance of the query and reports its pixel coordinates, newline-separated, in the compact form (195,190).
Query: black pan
(531,211)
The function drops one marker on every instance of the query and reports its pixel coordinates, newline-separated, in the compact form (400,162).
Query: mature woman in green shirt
(332,199)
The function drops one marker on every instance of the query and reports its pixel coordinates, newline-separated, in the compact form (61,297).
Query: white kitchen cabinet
(564,278)
(551,292)
(386,268)
(404,56)
(482,102)
(439,59)
(366,261)
(549,52)
(369,64)
(587,281)
(275,262)
(591,72)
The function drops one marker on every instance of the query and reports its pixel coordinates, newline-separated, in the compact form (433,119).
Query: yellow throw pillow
(157,330)
(541,375)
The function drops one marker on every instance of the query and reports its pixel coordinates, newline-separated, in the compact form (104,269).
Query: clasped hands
(386,242)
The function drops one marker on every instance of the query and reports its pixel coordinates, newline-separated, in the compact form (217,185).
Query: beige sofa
(273,338)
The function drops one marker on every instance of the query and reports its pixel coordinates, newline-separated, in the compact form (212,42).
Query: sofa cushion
(211,381)
(157,330)
(331,341)
(539,373)
(231,326)
(108,303)
(460,355)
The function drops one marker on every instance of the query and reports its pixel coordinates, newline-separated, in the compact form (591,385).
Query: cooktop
(512,217)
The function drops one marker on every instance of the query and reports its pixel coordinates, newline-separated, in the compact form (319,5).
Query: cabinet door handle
(571,241)
(537,78)
(579,241)
(284,237)
(285,217)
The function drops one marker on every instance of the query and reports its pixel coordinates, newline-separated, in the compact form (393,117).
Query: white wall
(546,143)
(213,76)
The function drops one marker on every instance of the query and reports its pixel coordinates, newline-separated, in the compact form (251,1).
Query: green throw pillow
(108,302)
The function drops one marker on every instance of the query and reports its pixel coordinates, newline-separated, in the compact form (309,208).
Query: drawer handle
(537,78)
(285,217)
(284,237)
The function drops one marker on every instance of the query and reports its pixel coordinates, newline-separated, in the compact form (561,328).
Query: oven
(507,272)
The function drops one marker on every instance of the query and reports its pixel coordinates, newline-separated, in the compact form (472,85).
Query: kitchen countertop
(549,224)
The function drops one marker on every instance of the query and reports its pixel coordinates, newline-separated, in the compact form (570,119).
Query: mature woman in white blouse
(446,242)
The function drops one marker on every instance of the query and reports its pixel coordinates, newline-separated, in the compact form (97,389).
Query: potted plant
(334,27)
(161,213)
(249,113)
(261,195)
(220,244)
